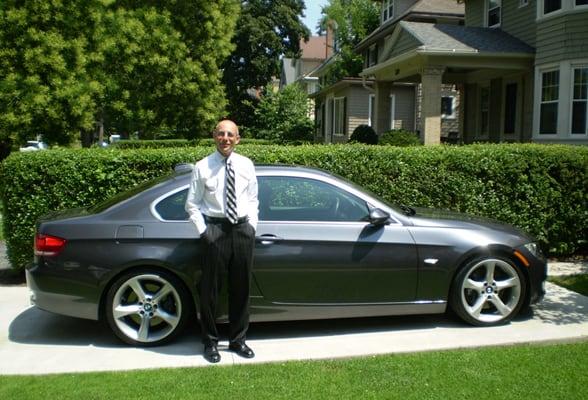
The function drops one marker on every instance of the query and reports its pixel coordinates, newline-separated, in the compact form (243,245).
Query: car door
(315,246)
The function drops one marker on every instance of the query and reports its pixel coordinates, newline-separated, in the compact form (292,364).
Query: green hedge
(160,144)
(540,188)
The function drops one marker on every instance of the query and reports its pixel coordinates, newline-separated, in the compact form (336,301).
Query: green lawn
(532,371)
(577,283)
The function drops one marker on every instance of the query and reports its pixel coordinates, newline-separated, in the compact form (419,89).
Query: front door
(316,246)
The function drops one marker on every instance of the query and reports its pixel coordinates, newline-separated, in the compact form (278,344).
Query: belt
(218,220)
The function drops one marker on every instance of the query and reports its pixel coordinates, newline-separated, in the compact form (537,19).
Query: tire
(147,307)
(488,291)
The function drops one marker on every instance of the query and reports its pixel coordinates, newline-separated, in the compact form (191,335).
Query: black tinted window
(303,199)
(172,207)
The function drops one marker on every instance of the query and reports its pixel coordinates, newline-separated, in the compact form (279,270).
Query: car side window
(304,199)
(172,207)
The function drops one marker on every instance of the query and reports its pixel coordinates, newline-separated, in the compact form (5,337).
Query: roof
(427,8)
(464,38)
(315,48)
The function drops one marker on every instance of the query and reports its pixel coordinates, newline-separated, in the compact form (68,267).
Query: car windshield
(97,208)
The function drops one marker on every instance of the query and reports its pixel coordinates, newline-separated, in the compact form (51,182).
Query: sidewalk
(37,342)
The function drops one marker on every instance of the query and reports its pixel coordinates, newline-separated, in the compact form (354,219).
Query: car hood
(429,217)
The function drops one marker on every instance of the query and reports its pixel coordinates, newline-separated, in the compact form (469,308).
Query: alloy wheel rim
(146,308)
(491,290)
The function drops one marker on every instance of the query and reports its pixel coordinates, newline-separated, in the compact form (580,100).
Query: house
(379,100)
(298,70)
(520,68)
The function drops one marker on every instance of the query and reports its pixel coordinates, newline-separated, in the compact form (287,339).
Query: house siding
(474,13)
(357,108)
(405,43)
(561,38)
(520,21)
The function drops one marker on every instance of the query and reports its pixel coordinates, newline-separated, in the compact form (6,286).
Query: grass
(577,283)
(530,371)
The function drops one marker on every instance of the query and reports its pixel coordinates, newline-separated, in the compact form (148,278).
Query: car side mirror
(378,216)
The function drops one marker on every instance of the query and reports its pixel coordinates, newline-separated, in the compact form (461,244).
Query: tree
(266,30)
(68,67)
(283,116)
(352,21)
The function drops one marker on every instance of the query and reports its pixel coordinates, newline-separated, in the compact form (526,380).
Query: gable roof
(420,9)
(314,49)
(442,37)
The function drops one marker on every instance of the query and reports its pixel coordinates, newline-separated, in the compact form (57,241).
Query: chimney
(330,41)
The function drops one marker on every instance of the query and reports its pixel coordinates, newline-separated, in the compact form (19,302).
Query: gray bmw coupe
(325,248)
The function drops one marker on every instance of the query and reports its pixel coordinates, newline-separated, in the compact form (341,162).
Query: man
(222,203)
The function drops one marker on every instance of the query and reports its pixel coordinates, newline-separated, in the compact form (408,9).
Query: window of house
(549,102)
(484,111)
(493,17)
(387,10)
(339,116)
(580,101)
(581,2)
(448,107)
(372,110)
(550,6)
(392,111)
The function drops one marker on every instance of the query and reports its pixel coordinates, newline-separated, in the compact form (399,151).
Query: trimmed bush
(400,137)
(364,134)
(539,188)
(160,144)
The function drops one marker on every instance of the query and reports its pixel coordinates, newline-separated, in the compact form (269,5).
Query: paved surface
(36,342)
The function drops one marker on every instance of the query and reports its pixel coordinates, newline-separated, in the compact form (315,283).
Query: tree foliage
(266,30)
(283,116)
(66,66)
(352,21)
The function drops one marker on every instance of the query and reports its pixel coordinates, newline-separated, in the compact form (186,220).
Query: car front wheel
(488,291)
(146,307)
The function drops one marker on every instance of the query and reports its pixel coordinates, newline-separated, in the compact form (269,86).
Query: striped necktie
(230,193)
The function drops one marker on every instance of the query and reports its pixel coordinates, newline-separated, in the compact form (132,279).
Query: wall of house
(404,110)
(520,21)
(357,107)
(405,43)
(562,37)
(474,13)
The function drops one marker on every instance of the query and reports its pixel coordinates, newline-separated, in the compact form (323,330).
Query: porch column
(431,77)
(382,114)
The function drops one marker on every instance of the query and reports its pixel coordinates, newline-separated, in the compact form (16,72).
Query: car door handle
(268,239)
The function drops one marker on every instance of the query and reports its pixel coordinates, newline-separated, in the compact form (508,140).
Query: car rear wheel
(147,307)
(488,291)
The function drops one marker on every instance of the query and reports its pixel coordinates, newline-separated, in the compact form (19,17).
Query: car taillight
(46,245)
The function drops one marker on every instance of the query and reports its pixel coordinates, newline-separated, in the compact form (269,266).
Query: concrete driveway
(37,342)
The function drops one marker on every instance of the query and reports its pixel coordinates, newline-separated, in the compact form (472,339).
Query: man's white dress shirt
(207,189)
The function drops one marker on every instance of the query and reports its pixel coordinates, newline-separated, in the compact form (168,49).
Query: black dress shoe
(242,350)
(211,353)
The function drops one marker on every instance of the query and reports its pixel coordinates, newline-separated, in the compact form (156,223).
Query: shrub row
(160,144)
(539,188)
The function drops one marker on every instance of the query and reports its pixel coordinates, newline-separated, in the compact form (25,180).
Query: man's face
(226,137)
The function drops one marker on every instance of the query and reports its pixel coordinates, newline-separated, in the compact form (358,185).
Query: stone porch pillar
(431,78)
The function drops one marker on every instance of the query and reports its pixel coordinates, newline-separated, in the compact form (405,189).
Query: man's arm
(194,201)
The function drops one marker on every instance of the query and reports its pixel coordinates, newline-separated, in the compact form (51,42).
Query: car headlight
(534,249)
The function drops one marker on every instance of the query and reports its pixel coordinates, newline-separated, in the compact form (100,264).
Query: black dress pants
(226,247)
